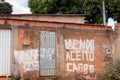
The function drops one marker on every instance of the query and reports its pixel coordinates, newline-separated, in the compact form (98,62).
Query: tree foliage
(113,9)
(5,8)
(92,8)
(55,6)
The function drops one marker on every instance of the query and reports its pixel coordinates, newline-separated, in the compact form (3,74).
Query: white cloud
(19,6)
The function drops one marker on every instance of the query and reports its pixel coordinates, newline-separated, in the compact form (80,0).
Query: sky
(19,6)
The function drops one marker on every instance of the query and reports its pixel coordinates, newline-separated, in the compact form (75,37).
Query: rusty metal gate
(4,52)
(47,53)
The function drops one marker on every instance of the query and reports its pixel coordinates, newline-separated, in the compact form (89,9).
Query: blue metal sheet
(4,52)
(47,53)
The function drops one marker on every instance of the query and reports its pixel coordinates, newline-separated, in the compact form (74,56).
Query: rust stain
(27,41)
(20,39)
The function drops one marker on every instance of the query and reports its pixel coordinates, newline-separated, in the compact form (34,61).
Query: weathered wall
(26,54)
(117,40)
(80,49)
(85,50)
(77,50)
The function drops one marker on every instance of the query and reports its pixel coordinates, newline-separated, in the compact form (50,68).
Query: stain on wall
(26,55)
(77,50)
(28,59)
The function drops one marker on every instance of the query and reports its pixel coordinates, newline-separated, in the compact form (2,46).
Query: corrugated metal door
(47,53)
(4,52)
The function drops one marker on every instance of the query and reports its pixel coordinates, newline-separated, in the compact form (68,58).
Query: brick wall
(117,40)
(77,50)
(80,49)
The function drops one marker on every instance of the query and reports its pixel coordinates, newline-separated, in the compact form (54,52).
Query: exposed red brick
(2,21)
(20,39)
(117,24)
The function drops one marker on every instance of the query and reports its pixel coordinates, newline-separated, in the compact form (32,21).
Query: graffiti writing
(47,53)
(85,68)
(28,59)
(78,56)
(79,50)
(84,46)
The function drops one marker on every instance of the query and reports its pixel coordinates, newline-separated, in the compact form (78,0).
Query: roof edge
(42,15)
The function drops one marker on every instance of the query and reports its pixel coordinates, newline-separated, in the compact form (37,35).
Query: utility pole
(104,13)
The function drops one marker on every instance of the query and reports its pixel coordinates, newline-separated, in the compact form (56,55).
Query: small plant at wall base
(112,72)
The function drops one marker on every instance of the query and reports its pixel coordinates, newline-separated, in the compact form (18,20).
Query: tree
(88,7)
(55,6)
(113,9)
(93,11)
(91,8)
(5,8)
